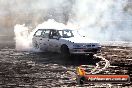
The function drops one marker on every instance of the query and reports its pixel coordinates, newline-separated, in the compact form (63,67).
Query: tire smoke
(102,20)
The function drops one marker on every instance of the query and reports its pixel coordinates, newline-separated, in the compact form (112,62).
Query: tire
(36,46)
(81,80)
(65,52)
(91,55)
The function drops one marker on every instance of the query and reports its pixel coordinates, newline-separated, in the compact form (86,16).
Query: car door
(37,38)
(54,41)
(44,40)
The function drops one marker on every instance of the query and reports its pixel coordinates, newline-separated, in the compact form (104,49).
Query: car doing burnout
(64,41)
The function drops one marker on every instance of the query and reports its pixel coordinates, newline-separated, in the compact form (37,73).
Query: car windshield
(66,33)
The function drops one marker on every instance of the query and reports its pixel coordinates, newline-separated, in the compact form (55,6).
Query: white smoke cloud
(32,12)
(103,19)
(22,37)
(98,19)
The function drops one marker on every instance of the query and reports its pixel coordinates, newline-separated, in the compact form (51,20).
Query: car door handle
(40,39)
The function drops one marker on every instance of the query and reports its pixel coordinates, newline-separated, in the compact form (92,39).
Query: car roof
(56,29)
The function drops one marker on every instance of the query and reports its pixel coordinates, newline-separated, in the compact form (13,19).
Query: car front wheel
(65,52)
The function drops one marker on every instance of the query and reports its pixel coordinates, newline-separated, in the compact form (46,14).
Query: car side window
(38,33)
(53,34)
(45,33)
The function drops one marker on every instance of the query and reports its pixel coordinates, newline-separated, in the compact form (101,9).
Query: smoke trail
(23,41)
(100,20)
(104,18)
(32,12)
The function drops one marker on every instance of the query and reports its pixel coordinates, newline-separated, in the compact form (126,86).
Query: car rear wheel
(36,45)
(65,51)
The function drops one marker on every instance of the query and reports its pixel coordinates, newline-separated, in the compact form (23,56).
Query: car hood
(79,40)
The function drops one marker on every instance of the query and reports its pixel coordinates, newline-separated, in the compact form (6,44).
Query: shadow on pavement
(74,60)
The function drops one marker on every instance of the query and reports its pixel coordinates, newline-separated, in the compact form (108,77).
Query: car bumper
(85,51)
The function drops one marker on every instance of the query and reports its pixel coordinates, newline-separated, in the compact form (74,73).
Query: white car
(64,41)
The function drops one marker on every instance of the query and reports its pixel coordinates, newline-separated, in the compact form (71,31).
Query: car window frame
(52,36)
(43,31)
(62,36)
(37,31)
